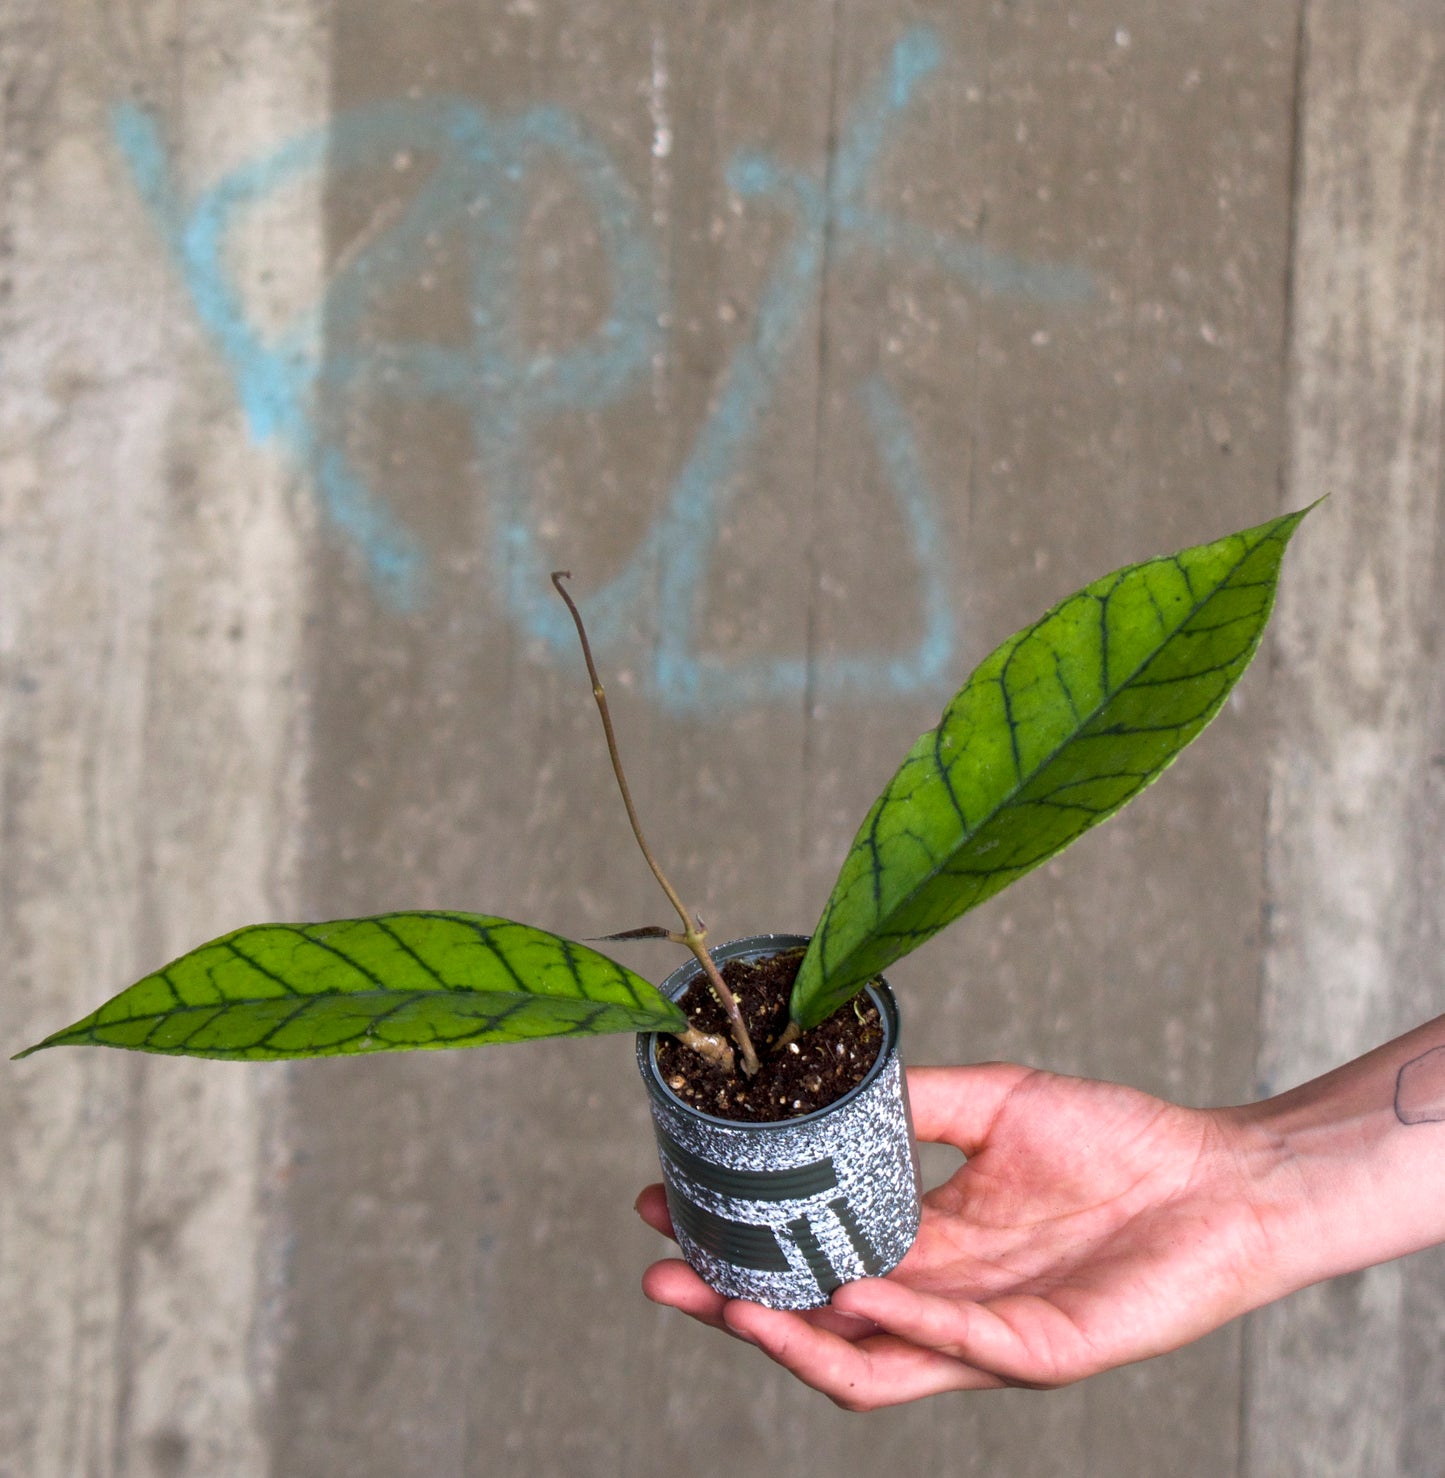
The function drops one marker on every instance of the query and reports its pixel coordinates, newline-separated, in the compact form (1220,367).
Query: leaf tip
(1293,520)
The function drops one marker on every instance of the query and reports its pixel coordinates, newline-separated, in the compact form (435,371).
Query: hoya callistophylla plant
(403,981)
(1057,729)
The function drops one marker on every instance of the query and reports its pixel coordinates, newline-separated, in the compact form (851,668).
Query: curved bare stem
(693,934)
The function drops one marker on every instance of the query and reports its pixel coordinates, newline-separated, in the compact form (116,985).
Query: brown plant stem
(693,935)
(712,1048)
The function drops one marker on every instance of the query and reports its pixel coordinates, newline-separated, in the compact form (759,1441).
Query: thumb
(957,1105)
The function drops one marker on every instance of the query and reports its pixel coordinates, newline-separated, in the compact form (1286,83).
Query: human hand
(1092,1225)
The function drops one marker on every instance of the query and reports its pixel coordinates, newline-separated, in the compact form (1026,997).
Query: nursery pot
(783,1213)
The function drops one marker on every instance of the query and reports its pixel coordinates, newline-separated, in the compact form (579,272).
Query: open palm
(1092,1225)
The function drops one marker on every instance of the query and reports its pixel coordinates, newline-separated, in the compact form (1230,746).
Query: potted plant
(772,1064)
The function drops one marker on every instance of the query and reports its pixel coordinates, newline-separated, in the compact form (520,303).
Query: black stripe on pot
(798,1184)
(734,1241)
(813,1254)
(872,1263)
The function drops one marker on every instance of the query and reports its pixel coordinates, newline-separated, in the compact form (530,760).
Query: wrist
(1294,1194)
(1335,1178)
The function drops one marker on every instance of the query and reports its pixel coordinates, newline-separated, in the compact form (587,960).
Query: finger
(957,1105)
(1021,1338)
(851,1327)
(880,1370)
(651,1206)
(674,1283)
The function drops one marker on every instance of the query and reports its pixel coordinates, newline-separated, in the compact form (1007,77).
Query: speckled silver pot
(784,1213)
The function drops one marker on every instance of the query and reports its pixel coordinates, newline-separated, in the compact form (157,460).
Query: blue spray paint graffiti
(477,189)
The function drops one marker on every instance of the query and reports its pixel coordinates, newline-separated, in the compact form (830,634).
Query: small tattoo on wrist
(1420,1089)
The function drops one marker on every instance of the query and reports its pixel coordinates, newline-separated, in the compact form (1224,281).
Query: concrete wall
(826,344)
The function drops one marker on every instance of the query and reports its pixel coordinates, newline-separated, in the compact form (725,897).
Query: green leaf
(387,984)
(1055,730)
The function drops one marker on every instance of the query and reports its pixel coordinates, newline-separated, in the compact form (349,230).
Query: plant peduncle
(693,934)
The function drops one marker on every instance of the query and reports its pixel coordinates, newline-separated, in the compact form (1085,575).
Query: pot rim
(681,979)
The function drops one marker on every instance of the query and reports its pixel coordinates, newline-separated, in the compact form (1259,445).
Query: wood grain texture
(152,569)
(852,337)
(1337,1376)
(444,1276)
(1072,438)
